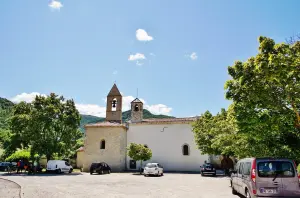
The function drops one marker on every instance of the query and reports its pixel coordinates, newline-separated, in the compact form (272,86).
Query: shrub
(23,154)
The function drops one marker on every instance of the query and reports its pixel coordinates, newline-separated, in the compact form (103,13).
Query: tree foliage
(263,119)
(22,154)
(49,125)
(265,93)
(139,152)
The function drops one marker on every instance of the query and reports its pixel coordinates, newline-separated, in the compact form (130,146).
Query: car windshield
(208,165)
(276,169)
(151,165)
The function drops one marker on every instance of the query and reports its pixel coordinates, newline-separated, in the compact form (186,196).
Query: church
(171,140)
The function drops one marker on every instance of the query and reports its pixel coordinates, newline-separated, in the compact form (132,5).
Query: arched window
(102,144)
(136,107)
(146,146)
(185,149)
(114,104)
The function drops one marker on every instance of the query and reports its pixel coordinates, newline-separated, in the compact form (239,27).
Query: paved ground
(9,189)
(81,185)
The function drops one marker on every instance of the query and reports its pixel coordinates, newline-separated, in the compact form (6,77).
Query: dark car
(208,169)
(4,166)
(100,168)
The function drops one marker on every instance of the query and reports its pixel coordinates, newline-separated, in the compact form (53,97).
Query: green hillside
(5,111)
(88,119)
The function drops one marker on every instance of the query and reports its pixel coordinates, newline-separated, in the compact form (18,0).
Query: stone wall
(114,153)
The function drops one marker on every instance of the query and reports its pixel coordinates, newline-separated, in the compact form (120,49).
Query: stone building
(171,140)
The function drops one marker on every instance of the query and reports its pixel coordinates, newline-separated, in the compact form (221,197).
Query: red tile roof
(80,149)
(105,124)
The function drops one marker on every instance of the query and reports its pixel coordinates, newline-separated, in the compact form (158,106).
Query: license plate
(269,191)
(208,168)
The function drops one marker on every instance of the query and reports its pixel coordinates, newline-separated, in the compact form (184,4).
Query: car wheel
(162,174)
(247,194)
(202,174)
(102,172)
(58,171)
(71,170)
(91,173)
(108,171)
(234,192)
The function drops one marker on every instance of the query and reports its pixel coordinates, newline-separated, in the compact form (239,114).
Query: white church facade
(171,140)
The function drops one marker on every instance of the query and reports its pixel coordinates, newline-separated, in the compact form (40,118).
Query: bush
(298,168)
(19,155)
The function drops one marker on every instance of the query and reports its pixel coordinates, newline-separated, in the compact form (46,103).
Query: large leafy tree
(215,135)
(265,93)
(139,152)
(49,125)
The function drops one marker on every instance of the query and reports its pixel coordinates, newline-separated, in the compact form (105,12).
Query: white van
(59,166)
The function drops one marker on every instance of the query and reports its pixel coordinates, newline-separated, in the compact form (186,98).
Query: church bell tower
(114,105)
(136,110)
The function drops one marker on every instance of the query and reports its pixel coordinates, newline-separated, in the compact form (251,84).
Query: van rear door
(290,181)
(269,181)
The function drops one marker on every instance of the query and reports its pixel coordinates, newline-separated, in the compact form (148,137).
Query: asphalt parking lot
(81,185)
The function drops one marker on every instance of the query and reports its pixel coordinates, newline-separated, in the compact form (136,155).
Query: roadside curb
(21,189)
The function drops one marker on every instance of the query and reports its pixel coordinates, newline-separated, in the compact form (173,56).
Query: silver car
(265,177)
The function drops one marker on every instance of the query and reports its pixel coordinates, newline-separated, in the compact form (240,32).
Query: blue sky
(178,61)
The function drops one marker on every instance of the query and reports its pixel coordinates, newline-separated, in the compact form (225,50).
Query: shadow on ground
(40,174)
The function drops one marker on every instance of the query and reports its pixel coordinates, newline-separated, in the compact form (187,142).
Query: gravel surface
(9,189)
(81,185)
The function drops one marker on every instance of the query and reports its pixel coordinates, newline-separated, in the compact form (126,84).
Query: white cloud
(26,97)
(91,109)
(152,54)
(193,56)
(137,56)
(55,5)
(100,111)
(142,35)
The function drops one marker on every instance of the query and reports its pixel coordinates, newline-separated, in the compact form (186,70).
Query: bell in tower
(114,105)
(136,110)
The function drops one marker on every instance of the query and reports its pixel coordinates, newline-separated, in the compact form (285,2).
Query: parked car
(5,165)
(153,169)
(265,177)
(100,168)
(208,169)
(59,166)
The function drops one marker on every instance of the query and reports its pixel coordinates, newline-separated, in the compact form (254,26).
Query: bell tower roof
(136,101)
(114,91)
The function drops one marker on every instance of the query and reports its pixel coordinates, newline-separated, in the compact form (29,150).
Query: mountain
(5,111)
(88,119)
(6,107)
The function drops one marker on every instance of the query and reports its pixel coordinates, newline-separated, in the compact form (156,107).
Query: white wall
(167,146)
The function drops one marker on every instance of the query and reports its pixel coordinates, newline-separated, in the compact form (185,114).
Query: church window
(102,144)
(114,104)
(185,149)
(136,107)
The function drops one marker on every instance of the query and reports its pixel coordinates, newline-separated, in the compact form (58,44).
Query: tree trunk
(141,166)
(48,157)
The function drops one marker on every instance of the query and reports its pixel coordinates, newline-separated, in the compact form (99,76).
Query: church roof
(105,124)
(114,91)
(137,101)
(167,120)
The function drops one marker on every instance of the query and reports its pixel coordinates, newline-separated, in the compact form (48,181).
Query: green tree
(216,135)
(265,93)
(48,125)
(139,152)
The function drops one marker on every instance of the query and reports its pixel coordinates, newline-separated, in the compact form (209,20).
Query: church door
(132,164)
